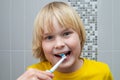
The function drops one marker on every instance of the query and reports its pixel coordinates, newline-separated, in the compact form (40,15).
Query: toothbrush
(57,64)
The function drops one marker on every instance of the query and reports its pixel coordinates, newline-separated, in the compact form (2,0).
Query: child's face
(61,40)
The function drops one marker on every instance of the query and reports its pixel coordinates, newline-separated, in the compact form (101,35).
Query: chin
(67,64)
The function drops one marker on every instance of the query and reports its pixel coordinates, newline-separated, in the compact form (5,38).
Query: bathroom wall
(16,25)
(108,34)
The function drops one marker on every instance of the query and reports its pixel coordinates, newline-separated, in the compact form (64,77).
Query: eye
(67,33)
(49,37)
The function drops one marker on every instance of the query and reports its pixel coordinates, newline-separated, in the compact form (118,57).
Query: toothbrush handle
(56,65)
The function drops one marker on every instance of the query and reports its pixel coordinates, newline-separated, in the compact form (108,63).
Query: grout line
(10,24)
(112,34)
(24,34)
(109,50)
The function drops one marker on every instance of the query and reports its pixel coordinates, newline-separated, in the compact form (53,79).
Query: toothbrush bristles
(62,55)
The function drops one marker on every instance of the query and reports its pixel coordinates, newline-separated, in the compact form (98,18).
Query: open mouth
(66,54)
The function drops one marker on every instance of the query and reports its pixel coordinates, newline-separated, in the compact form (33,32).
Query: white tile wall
(108,33)
(4,25)
(29,59)
(116,64)
(4,65)
(18,64)
(116,24)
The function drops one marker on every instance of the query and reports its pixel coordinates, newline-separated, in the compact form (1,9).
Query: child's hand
(33,74)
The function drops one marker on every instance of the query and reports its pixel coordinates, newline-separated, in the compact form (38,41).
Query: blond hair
(66,17)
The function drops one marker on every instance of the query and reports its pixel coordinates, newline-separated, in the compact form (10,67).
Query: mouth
(66,54)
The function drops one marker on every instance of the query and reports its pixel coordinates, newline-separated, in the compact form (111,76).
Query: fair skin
(60,40)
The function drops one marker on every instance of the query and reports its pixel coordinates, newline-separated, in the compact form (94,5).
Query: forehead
(54,17)
(50,26)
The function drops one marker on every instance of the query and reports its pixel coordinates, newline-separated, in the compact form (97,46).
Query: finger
(48,73)
(34,73)
(24,76)
(27,75)
(44,75)
(34,78)
(40,74)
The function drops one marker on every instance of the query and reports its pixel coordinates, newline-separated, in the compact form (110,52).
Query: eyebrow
(67,29)
(45,34)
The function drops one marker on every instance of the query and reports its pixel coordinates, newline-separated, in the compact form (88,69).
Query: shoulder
(95,63)
(97,66)
(44,65)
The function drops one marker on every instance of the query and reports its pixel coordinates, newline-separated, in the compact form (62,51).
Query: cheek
(46,48)
(47,51)
(74,42)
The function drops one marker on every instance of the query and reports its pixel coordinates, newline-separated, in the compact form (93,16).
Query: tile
(4,25)
(4,38)
(29,21)
(116,64)
(18,63)
(116,38)
(30,59)
(106,57)
(17,25)
(116,25)
(112,59)
(5,66)
(104,25)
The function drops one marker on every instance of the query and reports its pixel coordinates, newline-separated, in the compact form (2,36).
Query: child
(58,29)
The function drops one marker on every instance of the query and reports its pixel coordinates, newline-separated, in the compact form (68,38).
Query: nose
(59,44)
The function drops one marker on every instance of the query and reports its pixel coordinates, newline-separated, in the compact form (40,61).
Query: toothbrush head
(62,55)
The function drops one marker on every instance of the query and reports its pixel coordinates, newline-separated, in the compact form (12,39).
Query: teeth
(66,53)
